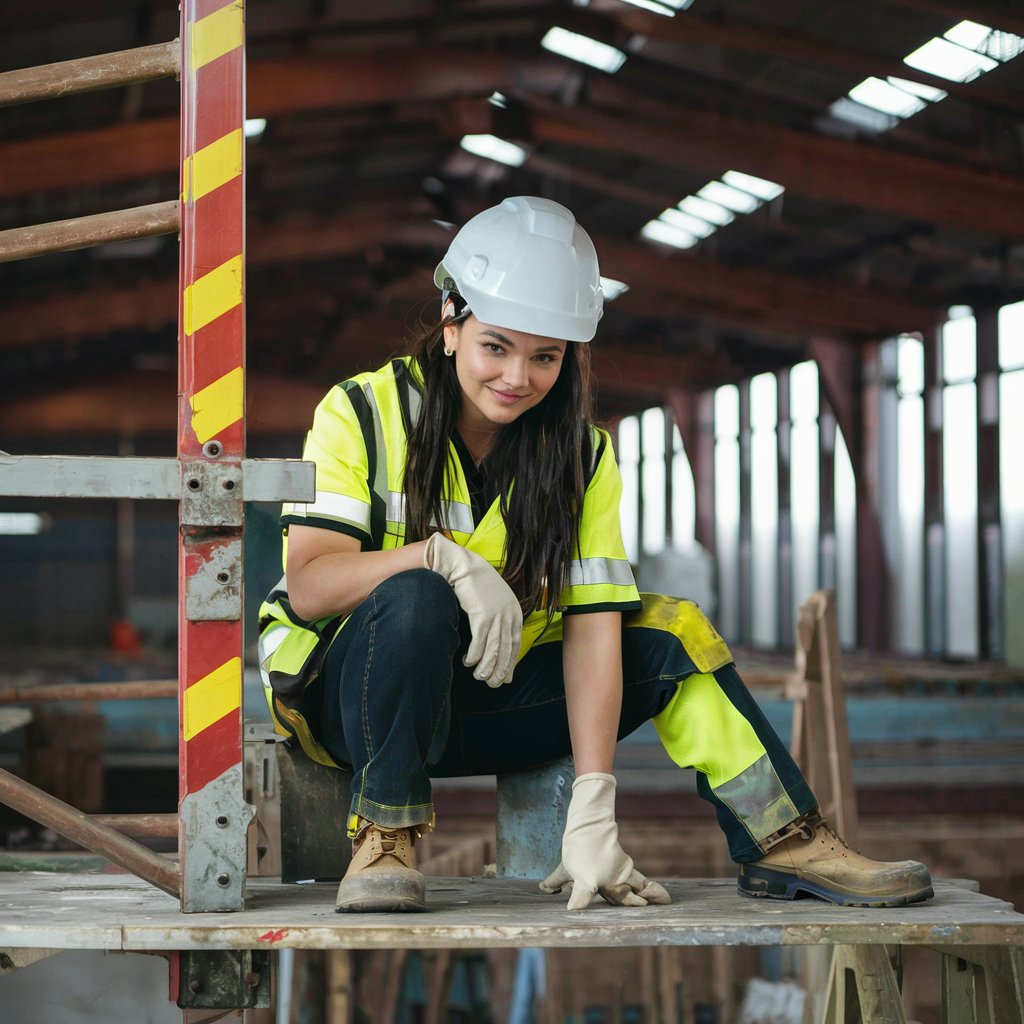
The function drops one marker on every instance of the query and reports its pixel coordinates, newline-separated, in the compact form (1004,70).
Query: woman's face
(502,372)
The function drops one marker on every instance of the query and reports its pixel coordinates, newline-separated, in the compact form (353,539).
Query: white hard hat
(528,266)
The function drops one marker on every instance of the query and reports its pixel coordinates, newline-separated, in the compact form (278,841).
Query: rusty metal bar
(104,71)
(133,689)
(97,229)
(151,826)
(72,824)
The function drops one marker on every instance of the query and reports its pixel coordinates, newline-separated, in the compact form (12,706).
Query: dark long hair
(546,452)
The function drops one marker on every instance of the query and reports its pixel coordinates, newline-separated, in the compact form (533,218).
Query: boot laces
(827,826)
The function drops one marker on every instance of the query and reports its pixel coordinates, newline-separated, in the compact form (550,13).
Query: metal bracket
(213,589)
(76,476)
(215,823)
(224,979)
(211,494)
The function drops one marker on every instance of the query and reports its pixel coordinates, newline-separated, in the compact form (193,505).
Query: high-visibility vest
(359,444)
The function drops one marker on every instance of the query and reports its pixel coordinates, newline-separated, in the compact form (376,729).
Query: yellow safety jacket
(358,441)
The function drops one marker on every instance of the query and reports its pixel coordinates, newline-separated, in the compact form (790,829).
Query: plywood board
(121,912)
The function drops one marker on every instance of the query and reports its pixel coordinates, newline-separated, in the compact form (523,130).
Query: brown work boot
(813,860)
(382,875)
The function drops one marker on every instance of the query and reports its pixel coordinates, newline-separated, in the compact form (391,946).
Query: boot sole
(778,885)
(381,895)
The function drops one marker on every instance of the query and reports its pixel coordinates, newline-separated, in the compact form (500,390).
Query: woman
(465,537)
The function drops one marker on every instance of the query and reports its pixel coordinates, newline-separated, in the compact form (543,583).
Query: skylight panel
(498,99)
(584,49)
(868,118)
(713,213)
(1001,46)
(666,7)
(969,34)
(659,231)
(731,198)
(873,92)
(760,187)
(254,127)
(492,148)
(612,289)
(949,60)
(926,92)
(687,222)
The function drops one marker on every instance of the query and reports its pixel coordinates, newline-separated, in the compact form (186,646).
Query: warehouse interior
(810,221)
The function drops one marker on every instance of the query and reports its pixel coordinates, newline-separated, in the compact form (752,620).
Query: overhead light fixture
(584,49)
(255,127)
(731,198)
(667,7)
(687,222)
(21,524)
(712,207)
(492,148)
(667,234)
(764,189)
(497,99)
(612,289)
(713,213)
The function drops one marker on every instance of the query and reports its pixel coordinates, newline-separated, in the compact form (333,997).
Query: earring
(449,351)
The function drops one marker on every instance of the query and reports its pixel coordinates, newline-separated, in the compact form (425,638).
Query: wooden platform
(119,912)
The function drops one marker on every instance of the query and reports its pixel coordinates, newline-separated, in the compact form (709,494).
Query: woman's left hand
(592,859)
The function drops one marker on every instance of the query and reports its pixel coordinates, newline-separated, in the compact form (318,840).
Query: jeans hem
(391,816)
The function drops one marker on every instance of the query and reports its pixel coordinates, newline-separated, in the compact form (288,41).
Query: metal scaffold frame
(211,478)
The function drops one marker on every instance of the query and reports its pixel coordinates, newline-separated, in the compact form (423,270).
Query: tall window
(727,505)
(1011,430)
(764,509)
(960,482)
(908,568)
(804,467)
(629,468)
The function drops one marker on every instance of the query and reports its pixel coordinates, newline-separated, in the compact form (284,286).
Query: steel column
(784,430)
(827,574)
(934,515)
(990,530)
(211,440)
(695,417)
(745,616)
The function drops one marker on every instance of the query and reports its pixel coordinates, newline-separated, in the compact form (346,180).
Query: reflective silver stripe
(380,477)
(458,516)
(340,507)
(758,798)
(270,639)
(613,571)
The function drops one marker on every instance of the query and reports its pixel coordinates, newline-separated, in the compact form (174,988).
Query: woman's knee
(417,604)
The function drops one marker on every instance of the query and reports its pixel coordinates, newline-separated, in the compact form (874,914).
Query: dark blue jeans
(394,702)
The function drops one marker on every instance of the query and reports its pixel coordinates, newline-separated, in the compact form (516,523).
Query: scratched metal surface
(107,911)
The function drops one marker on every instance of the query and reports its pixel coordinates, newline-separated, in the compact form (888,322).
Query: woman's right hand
(495,617)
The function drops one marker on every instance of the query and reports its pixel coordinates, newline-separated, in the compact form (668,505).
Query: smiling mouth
(506,396)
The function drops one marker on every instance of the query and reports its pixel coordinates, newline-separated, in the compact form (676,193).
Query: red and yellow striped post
(211,442)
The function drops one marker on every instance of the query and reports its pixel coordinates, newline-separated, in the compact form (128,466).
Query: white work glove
(591,856)
(495,617)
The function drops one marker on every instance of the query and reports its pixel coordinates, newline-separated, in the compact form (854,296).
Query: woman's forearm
(335,582)
(592,667)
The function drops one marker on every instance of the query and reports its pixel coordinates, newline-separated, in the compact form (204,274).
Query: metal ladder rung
(84,74)
(97,229)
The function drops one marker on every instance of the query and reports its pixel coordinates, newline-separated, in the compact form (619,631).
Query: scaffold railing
(210,478)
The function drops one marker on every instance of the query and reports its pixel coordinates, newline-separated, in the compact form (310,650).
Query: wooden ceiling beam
(819,167)
(149,148)
(772,299)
